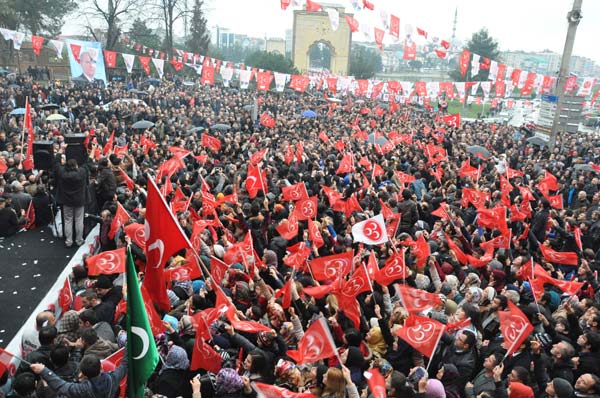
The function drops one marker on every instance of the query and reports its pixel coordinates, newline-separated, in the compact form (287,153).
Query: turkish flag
(376,383)
(258,156)
(339,145)
(423,334)
(464,61)
(352,23)
(288,229)
(379,33)
(393,269)
(208,75)
(286,294)
(306,208)
(514,326)
(316,344)
(120,218)
(312,6)
(333,266)
(314,234)
(272,391)
(36,43)
(346,164)
(109,144)
(145,61)
(452,120)
(249,326)
(205,357)
(395,26)
(108,262)
(370,231)
(155,321)
(565,258)
(110,59)
(263,80)
(255,181)
(295,192)
(415,300)
(65,296)
(548,183)
(267,120)
(164,238)
(113,362)
(218,269)
(211,142)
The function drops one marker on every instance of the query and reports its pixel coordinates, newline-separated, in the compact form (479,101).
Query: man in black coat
(73,181)
(9,222)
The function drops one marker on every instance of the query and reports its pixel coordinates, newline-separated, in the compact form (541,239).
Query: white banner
(280,80)
(486,87)
(159,64)
(586,87)
(475,88)
(493,71)
(18,40)
(475,64)
(334,18)
(407,88)
(245,78)
(58,46)
(128,59)
(226,74)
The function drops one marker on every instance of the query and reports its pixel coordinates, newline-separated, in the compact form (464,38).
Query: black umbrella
(536,140)
(584,167)
(195,129)
(379,140)
(478,151)
(142,124)
(220,127)
(49,106)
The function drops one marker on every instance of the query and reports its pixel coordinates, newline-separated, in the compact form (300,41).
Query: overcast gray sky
(530,25)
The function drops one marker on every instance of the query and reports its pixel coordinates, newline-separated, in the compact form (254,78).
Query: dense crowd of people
(550,199)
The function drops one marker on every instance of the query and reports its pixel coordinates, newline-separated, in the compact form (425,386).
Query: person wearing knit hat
(519,390)
(559,388)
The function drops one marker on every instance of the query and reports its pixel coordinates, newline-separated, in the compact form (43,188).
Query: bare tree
(112,13)
(172,11)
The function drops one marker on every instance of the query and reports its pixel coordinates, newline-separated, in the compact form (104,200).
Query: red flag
(346,164)
(110,59)
(286,294)
(267,120)
(258,156)
(367,4)
(423,334)
(415,300)
(218,269)
(136,233)
(285,4)
(332,267)
(3,166)
(299,152)
(255,181)
(210,142)
(458,325)
(145,61)
(379,33)
(476,198)
(312,6)
(452,120)
(332,195)
(323,136)
(30,216)
(306,208)
(295,192)
(36,43)
(288,229)
(393,269)
(395,26)
(376,383)
(352,23)
(404,178)
(208,75)
(120,218)
(441,54)
(577,235)
(422,251)
(422,32)
(5,359)
(205,357)
(492,218)
(358,283)
(249,326)
(371,231)
(75,49)
(316,344)
(514,326)
(65,296)
(263,80)
(186,272)
(445,44)
(108,262)
(314,234)
(109,144)
(565,258)
(464,61)
(128,181)
(28,163)
(548,183)
(272,391)
(164,237)
(441,212)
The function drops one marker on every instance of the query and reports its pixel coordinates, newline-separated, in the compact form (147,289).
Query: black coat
(174,383)
(72,186)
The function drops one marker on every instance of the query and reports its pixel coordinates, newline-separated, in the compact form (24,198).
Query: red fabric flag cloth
(333,266)
(376,383)
(346,164)
(445,44)
(208,75)
(258,156)
(299,152)
(267,120)
(145,61)
(393,269)
(5,359)
(288,229)
(458,325)
(441,54)
(352,23)
(36,43)
(464,61)
(218,269)
(423,334)
(422,251)
(108,262)
(422,32)
(349,306)
(371,231)
(394,26)
(28,163)
(65,296)
(186,272)
(286,294)
(312,6)
(441,212)
(314,234)
(109,144)
(323,136)
(514,326)
(379,34)
(164,237)
(358,283)
(415,300)
(306,208)
(155,320)
(271,391)
(492,218)
(476,198)
(316,344)
(110,59)
(205,357)
(210,142)
(285,4)
(564,258)
(75,49)
(136,232)
(128,181)
(3,166)
(120,218)
(255,181)
(368,5)
(249,326)
(295,192)
(30,216)
(263,80)
(452,120)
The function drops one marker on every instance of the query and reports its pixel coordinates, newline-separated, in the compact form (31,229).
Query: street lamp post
(573,17)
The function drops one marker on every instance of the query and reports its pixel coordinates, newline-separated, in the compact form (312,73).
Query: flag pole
(24,127)
(435,348)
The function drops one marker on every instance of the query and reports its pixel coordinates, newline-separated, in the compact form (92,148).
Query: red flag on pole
(316,344)
(393,269)
(205,357)
(164,237)
(312,6)
(515,327)
(267,120)
(423,334)
(332,267)
(295,192)
(65,296)
(36,43)
(565,258)
(272,391)
(352,23)
(376,383)
(108,262)
(415,300)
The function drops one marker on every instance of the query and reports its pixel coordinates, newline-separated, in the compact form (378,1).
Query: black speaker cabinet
(43,155)
(75,149)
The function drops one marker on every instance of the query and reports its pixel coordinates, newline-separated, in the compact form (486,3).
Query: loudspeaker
(43,154)
(75,149)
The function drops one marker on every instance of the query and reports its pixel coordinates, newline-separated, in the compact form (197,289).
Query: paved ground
(30,262)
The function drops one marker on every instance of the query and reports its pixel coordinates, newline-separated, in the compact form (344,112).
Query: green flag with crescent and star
(141,348)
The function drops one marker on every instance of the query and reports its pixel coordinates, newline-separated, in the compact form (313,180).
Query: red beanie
(520,390)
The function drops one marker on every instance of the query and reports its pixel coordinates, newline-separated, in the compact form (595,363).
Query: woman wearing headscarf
(354,360)
(174,378)
(448,375)
(228,384)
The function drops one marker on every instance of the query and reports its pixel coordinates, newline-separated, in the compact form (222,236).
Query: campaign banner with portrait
(87,62)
